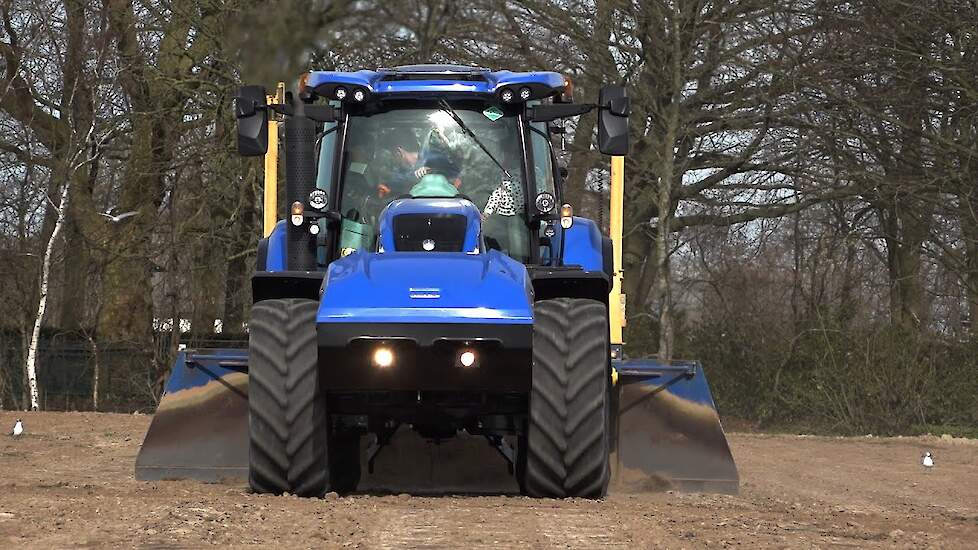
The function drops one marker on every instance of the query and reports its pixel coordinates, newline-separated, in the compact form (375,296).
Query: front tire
(288,421)
(566,446)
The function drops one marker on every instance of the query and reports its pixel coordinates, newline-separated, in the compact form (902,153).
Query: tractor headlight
(566,216)
(468,358)
(340,93)
(314,229)
(359,95)
(525,93)
(506,95)
(318,199)
(383,358)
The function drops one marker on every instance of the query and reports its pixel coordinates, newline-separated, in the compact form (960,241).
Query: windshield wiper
(461,124)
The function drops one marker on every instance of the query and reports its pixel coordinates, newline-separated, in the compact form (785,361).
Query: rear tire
(288,421)
(566,444)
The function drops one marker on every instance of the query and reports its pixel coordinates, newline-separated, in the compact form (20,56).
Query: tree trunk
(906,229)
(95,372)
(32,350)
(240,266)
(78,100)
(127,306)
(155,117)
(968,218)
(207,284)
(580,161)
(663,274)
(80,230)
(666,170)
(640,261)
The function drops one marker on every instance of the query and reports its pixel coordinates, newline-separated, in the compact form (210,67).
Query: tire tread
(288,413)
(567,439)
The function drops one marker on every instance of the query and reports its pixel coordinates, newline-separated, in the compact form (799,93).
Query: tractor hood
(426,287)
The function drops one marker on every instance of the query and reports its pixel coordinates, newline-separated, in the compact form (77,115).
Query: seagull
(927,460)
(18,429)
(120,217)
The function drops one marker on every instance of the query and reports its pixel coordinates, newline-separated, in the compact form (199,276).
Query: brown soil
(69,482)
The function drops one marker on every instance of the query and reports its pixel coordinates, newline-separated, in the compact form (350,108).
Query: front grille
(429,232)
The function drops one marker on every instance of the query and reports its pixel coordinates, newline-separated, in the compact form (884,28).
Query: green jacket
(433,185)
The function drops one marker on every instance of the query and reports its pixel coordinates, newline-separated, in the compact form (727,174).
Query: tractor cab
(422,148)
(430,130)
(418,147)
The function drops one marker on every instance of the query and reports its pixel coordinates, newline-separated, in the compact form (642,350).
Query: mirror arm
(282,109)
(324,113)
(319,113)
(548,113)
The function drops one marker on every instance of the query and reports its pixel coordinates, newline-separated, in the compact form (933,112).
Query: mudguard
(582,245)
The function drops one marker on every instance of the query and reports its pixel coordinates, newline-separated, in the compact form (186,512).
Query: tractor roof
(435,78)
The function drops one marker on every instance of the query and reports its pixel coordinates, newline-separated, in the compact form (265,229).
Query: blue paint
(426,287)
(373,81)
(686,379)
(276,260)
(583,245)
(205,368)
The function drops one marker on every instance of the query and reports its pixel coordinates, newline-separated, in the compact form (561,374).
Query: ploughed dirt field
(69,482)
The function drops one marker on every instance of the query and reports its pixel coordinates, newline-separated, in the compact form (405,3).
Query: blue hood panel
(426,287)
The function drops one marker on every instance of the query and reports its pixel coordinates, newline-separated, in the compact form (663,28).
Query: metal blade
(668,432)
(200,430)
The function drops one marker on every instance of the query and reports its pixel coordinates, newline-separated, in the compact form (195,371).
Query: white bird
(927,460)
(120,217)
(18,429)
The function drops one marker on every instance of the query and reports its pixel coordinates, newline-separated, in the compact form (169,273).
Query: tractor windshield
(418,148)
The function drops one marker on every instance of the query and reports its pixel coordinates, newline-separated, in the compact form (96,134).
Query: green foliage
(881,380)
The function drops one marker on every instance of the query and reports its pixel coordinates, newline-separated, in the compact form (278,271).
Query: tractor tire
(566,446)
(344,462)
(288,420)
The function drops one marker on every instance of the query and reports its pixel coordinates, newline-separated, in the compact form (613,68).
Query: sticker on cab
(493,113)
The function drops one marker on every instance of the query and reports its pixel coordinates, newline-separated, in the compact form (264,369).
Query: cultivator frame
(666,433)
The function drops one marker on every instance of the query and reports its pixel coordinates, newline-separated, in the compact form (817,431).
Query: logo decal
(424,293)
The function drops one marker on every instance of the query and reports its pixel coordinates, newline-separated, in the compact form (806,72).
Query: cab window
(543,170)
(416,148)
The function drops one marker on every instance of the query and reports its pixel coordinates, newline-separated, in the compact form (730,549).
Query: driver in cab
(410,165)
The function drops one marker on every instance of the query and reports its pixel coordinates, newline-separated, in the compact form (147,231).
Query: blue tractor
(428,279)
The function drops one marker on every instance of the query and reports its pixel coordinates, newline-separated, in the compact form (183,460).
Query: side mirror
(614,107)
(251,111)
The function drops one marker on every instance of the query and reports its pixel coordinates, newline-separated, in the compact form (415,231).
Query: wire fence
(76,374)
